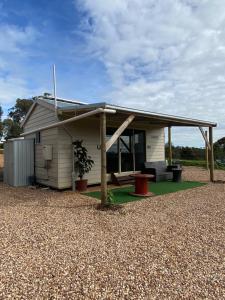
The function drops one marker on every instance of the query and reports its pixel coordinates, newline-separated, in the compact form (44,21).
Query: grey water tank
(19,162)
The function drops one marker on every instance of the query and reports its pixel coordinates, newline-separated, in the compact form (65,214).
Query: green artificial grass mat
(121,195)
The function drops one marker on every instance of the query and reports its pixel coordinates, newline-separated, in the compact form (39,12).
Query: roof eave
(164,117)
(180,121)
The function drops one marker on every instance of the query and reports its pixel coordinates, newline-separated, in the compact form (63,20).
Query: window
(128,152)
(38,137)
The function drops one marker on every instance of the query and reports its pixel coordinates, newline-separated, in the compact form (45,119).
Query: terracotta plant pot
(81,185)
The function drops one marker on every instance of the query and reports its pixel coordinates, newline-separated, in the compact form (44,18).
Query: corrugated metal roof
(66,105)
(156,116)
(61,102)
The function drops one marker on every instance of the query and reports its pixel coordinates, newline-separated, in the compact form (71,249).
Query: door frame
(132,149)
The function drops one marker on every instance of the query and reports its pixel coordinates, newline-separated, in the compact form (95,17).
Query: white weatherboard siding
(64,159)
(58,172)
(88,131)
(40,117)
(155,144)
(46,173)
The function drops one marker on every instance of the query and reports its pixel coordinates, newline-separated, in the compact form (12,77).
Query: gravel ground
(56,245)
(1,166)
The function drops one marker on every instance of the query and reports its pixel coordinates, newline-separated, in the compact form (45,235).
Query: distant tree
(20,109)
(11,125)
(11,129)
(180,152)
(187,153)
(167,150)
(220,143)
(219,148)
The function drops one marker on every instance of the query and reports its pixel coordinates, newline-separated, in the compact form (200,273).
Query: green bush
(110,198)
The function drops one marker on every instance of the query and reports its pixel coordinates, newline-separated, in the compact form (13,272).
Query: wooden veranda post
(206,151)
(211,158)
(103,159)
(119,131)
(170,145)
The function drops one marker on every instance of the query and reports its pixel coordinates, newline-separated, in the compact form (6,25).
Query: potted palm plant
(82,164)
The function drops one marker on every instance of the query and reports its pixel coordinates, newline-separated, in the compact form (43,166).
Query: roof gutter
(82,116)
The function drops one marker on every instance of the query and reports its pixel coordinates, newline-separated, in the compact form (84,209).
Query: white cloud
(12,88)
(166,56)
(14,43)
(14,38)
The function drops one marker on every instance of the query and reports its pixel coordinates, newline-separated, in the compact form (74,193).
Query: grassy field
(198,163)
(195,163)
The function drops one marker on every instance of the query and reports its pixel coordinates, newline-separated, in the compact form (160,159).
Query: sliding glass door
(112,155)
(139,149)
(128,152)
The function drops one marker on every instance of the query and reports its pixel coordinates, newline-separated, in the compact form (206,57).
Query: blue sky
(166,56)
(51,34)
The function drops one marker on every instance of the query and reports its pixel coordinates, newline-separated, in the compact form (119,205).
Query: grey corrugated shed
(19,162)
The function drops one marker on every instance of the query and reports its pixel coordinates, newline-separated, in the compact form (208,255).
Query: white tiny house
(142,140)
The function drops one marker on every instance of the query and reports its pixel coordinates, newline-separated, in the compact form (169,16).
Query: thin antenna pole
(54,84)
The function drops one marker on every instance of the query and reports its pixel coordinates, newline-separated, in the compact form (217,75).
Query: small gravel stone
(57,245)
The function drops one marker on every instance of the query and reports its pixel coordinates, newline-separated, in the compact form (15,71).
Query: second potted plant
(82,164)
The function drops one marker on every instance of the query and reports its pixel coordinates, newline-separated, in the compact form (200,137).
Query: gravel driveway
(56,245)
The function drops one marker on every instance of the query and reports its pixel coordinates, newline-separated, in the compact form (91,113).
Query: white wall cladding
(47,172)
(155,144)
(40,117)
(60,168)
(88,131)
